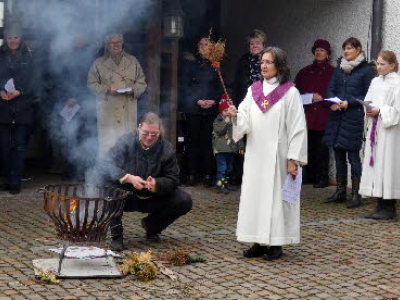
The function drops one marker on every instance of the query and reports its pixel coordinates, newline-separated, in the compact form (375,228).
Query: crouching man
(145,164)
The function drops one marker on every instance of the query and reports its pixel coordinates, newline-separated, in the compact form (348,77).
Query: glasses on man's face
(149,134)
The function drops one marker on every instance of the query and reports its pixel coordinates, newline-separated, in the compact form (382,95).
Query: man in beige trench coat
(117,80)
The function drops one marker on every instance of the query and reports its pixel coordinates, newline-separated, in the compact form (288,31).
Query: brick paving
(342,255)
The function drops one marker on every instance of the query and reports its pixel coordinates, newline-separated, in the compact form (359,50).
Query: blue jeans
(13,144)
(224,164)
(354,159)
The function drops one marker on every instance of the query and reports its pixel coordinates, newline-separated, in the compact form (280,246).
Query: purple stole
(266,102)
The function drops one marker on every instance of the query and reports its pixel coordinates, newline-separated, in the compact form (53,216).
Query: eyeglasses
(267,62)
(149,134)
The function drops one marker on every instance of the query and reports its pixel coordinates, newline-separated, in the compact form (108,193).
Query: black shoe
(117,244)
(228,186)
(208,181)
(274,252)
(387,212)
(377,209)
(255,251)
(14,189)
(153,237)
(4,187)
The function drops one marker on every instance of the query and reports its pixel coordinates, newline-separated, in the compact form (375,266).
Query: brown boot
(355,200)
(340,194)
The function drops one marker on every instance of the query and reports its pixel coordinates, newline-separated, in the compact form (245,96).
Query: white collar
(271,80)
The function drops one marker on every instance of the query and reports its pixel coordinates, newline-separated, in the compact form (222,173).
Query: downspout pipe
(376,30)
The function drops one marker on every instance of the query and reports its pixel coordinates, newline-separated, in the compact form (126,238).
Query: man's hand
(317,98)
(151,183)
(72,101)
(372,112)
(292,168)
(4,95)
(241,152)
(137,182)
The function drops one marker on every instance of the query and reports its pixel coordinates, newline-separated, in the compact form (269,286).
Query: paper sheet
(123,91)
(367,104)
(307,98)
(292,187)
(68,112)
(334,99)
(85,252)
(9,86)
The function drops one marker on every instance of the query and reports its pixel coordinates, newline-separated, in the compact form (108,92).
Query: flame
(73,205)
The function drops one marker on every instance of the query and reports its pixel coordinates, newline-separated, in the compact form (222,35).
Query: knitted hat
(324,44)
(223,103)
(13,29)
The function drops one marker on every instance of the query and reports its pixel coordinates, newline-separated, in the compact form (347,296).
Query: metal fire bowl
(80,212)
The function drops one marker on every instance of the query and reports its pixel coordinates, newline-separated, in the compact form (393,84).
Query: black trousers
(200,154)
(163,210)
(318,155)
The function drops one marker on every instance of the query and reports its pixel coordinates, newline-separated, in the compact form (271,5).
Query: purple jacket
(315,79)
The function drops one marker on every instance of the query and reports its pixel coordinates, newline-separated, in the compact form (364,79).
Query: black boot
(255,251)
(387,212)
(117,237)
(208,181)
(322,181)
(117,243)
(377,209)
(355,200)
(191,180)
(340,194)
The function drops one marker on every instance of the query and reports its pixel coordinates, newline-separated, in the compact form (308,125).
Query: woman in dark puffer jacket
(16,106)
(345,127)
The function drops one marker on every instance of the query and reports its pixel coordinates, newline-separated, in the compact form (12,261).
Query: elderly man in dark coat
(314,81)
(145,164)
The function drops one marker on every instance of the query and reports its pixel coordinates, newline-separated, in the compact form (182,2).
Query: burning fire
(73,205)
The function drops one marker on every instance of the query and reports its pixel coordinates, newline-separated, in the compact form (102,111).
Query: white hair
(109,36)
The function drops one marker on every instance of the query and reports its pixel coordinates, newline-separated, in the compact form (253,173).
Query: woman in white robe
(276,145)
(381,166)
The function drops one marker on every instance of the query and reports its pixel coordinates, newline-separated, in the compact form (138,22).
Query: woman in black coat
(345,127)
(16,106)
(200,91)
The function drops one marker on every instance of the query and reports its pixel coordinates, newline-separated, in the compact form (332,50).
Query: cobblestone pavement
(342,255)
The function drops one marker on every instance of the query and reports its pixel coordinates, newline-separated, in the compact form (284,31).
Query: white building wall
(294,25)
(391,26)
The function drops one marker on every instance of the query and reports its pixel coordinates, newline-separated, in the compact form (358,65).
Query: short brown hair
(353,42)
(390,57)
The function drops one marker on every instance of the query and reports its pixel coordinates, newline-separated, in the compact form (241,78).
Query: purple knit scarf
(372,139)
(266,102)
